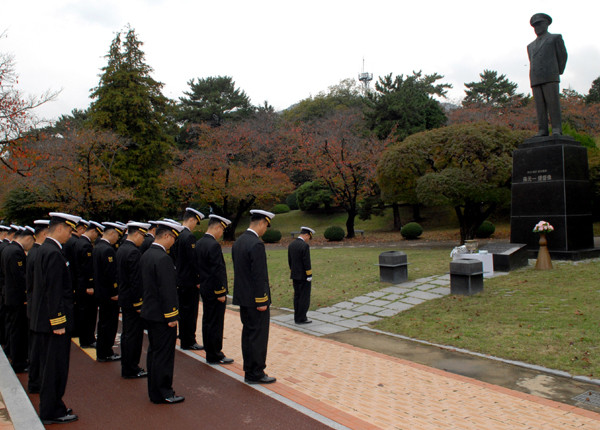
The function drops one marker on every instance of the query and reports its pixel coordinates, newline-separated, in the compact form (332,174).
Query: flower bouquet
(543,227)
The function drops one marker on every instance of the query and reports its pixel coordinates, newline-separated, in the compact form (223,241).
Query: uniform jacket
(3,245)
(299,260)
(211,268)
(29,275)
(14,266)
(146,243)
(105,271)
(84,265)
(184,255)
(251,275)
(159,285)
(129,276)
(68,250)
(52,299)
(547,58)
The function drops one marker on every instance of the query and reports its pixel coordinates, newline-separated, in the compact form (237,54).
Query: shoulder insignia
(19,263)
(89,254)
(193,245)
(110,259)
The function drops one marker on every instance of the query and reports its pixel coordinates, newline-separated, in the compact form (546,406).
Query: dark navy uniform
(129,278)
(213,284)
(250,291)
(105,287)
(3,337)
(300,273)
(86,307)
(160,307)
(148,240)
(14,265)
(33,384)
(184,255)
(52,309)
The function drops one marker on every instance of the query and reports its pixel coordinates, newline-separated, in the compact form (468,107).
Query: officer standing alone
(301,273)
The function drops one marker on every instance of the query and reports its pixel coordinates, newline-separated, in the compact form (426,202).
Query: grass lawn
(548,318)
(342,273)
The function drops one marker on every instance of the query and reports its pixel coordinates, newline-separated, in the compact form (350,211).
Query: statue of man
(547,57)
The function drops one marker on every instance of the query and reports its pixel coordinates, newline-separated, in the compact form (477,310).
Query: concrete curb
(491,357)
(21,411)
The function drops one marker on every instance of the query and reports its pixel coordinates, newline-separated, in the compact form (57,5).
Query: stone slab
(345,305)
(379,302)
(412,300)
(368,309)
(399,306)
(397,290)
(350,323)
(387,313)
(328,328)
(347,313)
(361,299)
(376,294)
(423,295)
(367,318)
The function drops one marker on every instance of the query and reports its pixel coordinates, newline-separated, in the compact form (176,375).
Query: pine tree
(594,93)
(130,102)
(492,90)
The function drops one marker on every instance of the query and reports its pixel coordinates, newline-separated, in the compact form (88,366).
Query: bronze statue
(547,57)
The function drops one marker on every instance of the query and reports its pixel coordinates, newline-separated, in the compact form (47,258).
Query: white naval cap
(199,215)
(258,213)
(142,227)
(173,227)
(93,225)
(61,217)
(116,226)
(224,221)
(304,230)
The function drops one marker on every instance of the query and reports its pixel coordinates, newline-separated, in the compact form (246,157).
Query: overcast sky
(284,51)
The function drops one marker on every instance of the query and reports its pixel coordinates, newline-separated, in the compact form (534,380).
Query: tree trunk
(417,212)
(470,218)
(397,220)
(350,223)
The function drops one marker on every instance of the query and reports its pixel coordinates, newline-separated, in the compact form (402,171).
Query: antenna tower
(365,78)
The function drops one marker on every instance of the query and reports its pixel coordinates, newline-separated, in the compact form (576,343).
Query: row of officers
(68,277)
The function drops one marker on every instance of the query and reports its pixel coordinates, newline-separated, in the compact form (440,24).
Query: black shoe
(88,345)
(194,347)
(304,322)
(69,418)
(223,360)
(264,380)
(173,399)
(69,411)
(141,374)
(114,357)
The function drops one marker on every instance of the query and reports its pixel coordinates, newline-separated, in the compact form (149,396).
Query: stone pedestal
(466,277)
(393,267)
(550,182)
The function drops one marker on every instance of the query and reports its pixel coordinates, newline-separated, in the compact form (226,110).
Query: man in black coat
(188,287)
(52,317)
(548,58)
(213,289)
(34,380)
(252,294)
(106,292)
(8,236)
(129,278)
(160,310)
(149,238)
(14,266)
(86,306)
(301,273)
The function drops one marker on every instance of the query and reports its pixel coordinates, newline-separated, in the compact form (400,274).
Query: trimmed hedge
(281,208)
(271,236)
(291,201)
(334,233)
(485,230)
(412,230)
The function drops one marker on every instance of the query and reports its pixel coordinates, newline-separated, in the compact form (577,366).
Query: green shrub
(412,230)
(334,233)
(485,230)
(312,196)
(280,208)
(292,201)
(271,236)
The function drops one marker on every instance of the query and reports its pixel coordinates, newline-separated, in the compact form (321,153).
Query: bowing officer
(213,288)
(86,307)
(301,273)
(14,266)
(41,232)
(252,294)
(106,291)
(8,238)
(160,310)
(52,317)
(188,287)
(129,278)
(149,238)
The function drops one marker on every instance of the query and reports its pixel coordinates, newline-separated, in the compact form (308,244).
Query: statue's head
(540,23)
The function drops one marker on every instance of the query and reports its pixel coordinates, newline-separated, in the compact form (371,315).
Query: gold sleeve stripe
(59,320)
(261,299)
(172,314)
(138,304)
(220,291)
(308,272)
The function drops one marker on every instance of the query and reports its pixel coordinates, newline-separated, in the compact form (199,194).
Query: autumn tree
(406,105)
(130,102)
(342,155)
(593,95)
(491,90)
(468,167)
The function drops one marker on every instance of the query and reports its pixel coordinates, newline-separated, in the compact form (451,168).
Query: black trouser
(86,314)
(301,299)
(213,317)
(3,336)
(35,361)
(56,353)
(255,337)
(132,338)
(189,297)
(108,324)
(160,360)
(17,326)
